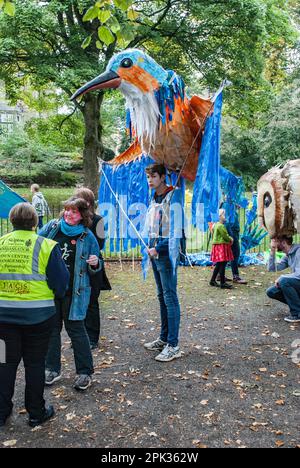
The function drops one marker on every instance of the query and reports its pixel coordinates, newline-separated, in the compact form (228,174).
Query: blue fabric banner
(129,183)
(8,199)
(207,191)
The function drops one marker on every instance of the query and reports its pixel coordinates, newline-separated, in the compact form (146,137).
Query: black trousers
(93,321)
(79,338)
(236,250)
(220,269)
(30,343)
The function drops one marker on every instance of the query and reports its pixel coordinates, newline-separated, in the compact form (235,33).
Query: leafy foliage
(241,152)
(8,7)
(252,151)
(280,138)
(24,159)
(65,134)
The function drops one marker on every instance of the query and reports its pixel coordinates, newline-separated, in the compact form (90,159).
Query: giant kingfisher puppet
(166,127)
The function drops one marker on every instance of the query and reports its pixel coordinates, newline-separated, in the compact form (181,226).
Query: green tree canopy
(280,138)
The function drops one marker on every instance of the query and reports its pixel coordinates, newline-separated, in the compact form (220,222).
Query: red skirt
(222,253)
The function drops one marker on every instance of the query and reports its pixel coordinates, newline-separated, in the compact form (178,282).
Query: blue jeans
(79,338)
(166,282)
(288,293)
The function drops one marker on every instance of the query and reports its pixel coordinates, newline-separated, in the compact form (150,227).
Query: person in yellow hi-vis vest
(32,274)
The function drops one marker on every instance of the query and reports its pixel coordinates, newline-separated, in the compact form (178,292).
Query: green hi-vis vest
(24,258)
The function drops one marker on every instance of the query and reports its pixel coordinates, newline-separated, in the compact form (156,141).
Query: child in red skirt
(221,252)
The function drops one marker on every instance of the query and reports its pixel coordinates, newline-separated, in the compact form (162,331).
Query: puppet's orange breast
(178,143)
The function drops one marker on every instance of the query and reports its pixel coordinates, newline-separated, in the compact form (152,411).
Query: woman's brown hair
(81,205)
(87,195)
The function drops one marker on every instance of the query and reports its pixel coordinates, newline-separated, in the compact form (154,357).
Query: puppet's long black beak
(108,79)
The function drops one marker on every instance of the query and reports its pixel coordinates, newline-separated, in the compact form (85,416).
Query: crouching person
(80,251)
(287,287)
(32,273)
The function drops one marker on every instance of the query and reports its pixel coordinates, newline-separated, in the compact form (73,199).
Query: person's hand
(274,245)
(152,252)
(231,240)
(93,261)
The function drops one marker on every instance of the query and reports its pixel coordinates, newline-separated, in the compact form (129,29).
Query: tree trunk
(93,147)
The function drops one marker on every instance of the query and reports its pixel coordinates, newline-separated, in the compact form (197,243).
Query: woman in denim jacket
(80,251)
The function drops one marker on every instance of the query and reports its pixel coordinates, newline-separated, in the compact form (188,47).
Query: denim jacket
(86,246)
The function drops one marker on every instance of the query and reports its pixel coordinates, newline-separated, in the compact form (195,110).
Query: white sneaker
(292,319)
(157,345)
(51,377)
(168,354)
(83,382)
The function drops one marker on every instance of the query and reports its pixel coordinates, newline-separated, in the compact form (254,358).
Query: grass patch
(54,196)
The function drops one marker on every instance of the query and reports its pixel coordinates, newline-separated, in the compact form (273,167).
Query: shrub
(17,147)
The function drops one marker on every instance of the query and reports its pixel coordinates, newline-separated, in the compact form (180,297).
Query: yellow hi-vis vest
(24,258)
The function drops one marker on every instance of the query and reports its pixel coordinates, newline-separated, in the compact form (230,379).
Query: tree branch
(141,38)
(70,18)
(62,26)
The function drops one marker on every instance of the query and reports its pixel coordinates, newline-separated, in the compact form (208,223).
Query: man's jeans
(30,343)
(79,338)
(166,282)
(288,293)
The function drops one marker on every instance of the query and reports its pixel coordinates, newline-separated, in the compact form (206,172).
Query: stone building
(10,116)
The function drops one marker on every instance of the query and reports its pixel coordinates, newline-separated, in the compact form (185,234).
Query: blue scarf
(69,230)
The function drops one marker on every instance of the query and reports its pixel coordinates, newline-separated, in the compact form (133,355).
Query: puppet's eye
(126,63)
(267,200)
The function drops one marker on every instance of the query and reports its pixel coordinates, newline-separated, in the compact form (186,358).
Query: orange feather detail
(131,154)
(139,78)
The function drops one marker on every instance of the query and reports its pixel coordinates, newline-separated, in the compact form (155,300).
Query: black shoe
(49,413)
(214,284)
(227,280)
(226,286)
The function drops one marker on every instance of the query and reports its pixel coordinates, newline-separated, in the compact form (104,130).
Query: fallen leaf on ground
(9,443)
(199,444)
